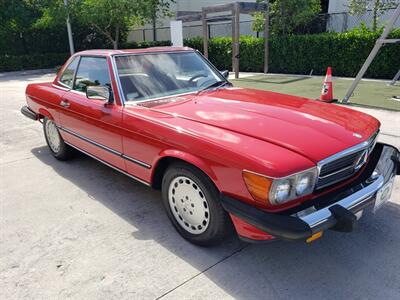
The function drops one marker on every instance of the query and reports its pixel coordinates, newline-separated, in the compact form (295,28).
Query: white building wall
(338,6)
(338,21)
(191,29)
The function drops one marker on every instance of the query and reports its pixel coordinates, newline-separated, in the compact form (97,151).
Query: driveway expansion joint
(204,271)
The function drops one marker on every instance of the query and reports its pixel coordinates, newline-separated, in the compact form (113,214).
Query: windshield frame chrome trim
(116,78)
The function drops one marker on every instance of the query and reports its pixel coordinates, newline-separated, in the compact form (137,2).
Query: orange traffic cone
(327,88)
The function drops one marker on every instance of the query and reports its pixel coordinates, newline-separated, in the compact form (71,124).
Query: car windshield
(155,75)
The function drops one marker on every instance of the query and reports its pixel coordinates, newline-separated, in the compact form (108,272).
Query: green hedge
(50,60)
(299,54)
(32,61)
(51,40)
(295,54)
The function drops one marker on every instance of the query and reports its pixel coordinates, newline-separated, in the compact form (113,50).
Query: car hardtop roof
(110,52)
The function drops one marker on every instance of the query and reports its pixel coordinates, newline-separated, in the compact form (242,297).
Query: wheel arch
(45,113)
(171,156)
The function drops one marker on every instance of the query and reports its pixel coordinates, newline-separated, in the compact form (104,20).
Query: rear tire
(58,148)
(192,204)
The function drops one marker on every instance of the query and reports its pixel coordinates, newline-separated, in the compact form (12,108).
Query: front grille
(340,163)
(344,164)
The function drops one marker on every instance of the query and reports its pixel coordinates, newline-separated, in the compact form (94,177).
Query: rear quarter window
(67,77)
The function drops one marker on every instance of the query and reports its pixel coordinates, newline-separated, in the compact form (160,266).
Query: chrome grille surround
(344,164)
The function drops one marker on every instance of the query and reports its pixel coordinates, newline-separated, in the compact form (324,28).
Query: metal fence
(336,22)
(214,30)
(341,22)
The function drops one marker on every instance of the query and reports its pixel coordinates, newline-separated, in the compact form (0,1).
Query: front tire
(58,148)
(192,204)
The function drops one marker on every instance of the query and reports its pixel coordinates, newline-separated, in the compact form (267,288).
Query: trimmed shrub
(51,40)
(345,52)
(299,54)
(294,54)
(31,61)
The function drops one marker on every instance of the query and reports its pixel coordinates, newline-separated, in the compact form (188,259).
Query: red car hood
(313,129)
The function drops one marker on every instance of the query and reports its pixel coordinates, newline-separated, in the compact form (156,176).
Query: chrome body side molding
(109,165)
(108,149)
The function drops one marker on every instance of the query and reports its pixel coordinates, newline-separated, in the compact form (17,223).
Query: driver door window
(91,71)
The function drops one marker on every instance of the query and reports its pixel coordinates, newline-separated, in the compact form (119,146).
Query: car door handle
(64,103)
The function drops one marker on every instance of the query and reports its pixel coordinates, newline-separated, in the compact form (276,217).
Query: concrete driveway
(80,230)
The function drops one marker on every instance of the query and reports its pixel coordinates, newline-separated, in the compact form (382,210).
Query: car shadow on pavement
(363,264)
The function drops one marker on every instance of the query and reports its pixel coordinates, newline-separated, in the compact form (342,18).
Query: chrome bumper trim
(317,219)
(385,170)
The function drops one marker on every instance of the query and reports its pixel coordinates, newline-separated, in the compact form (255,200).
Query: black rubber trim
(105,148)
(109,165)
(346,220)
(27,112)
(251,241)
(396,160)
(135,161)
(285,227)
(90,141)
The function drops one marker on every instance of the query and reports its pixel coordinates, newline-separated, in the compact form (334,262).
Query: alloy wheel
(189,205)
(53,137)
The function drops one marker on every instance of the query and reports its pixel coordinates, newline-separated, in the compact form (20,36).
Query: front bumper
(335,210)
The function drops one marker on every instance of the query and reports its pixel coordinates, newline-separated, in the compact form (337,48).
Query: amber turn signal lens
(314,237)
(258,186)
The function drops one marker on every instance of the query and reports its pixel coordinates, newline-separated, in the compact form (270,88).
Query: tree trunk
(283,21)
(115,43)
(375,16)
(154,28)
(108,34)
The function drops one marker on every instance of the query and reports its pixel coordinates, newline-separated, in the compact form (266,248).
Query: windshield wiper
(219,83)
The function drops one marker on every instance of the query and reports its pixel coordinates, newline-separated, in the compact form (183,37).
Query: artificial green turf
(370,93)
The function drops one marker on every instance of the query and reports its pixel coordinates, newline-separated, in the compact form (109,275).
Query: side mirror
(225,73)
(100,92)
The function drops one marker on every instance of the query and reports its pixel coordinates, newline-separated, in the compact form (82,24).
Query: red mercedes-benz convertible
(270,166)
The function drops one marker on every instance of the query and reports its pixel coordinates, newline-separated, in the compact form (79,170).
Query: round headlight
(282,191)
(302,185)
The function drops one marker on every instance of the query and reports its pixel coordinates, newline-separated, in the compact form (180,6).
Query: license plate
(383,195)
